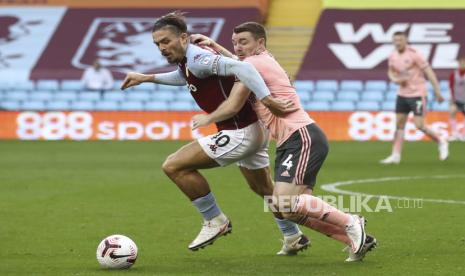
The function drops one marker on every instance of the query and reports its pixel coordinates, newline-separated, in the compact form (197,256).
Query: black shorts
(407,104)
(460,106)
(300,158)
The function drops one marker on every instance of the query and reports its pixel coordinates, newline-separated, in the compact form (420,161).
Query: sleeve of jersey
(174,78)
(420,61)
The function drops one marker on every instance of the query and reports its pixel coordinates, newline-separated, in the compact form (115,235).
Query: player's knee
(170,167)
(292,216)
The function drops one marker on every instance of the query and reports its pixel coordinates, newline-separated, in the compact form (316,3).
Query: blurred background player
(457,99)
(240,139)
(301,145)
(407,68)
(97,78)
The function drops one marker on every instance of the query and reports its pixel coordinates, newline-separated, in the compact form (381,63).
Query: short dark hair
(257,30)
(174,20)
(400,33)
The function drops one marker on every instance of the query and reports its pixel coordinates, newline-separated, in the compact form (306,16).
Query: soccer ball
(116,251)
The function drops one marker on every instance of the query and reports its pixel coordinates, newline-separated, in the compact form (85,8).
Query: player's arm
(171,78)
(201,39)
(230,107)
(434,81)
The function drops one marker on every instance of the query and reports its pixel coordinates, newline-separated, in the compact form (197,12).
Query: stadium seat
(138,96)
(33,105)
(304,95)
(163,95)
(156,106)
(323,96)
(83,105)
(388,105)
(304,85)
(66,96)
(169,87)
(183,96)
(117,84)
(379,85)
(58,105)
(317,106)
(89,96)
(131,106)
(354,85)
(145,87)
(391,95)
(343,106)
(10,105)
(114,96)
(74,85)
(368,106)
(331,85)
(444,84)
(16,95)
(347,96)
(106,106)
(444,106)
(181,106)
(51,85)
(41,95)
(24,85)
(372,95)
(393,86)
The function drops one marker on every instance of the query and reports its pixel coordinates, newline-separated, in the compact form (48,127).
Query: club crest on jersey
(205,60)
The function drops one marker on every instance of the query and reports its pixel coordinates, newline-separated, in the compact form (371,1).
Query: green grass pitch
(59,199)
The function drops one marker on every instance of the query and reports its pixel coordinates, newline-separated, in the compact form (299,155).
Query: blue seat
(106,106)
(115,96)
(89,96)
(444,84)
(138,96)
(343,106)
(393,86)
(131,106)
(23,85)
(181,106)
(10,105)
(317,106)
(331,85)
(388,105)
(323,96)
(163,95)
(33,105)
(444,106)
(372,95)
(73,85)
(169,87)
(304,95)
(66,95)
(82,105)
(304,85)
(347,96)
(145,87)
(41,95)
(391,95)
(183,96)
(379,85)
(16,95)
(156,106)
(58,105)
(51,85)
(354,85)
(117,84)
(368,106)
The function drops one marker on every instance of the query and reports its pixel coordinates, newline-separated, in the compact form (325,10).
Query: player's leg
(182,168)
(402,111)
(453,121)
(298,162)
(461,108)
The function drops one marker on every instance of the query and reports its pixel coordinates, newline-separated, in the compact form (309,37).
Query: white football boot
(391,159)
(211,230)
(356,233)
(294,244)
(443,147)
(370,244)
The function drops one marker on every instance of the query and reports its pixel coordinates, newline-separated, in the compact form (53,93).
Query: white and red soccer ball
(116,251)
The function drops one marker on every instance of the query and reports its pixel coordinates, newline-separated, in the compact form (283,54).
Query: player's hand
(439,98)
(201,40)
(200,120)
(133,79)
(279,107)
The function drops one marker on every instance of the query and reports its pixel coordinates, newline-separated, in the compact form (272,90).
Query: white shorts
(248,146)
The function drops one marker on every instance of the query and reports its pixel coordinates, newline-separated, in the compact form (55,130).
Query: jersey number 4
(288,162)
